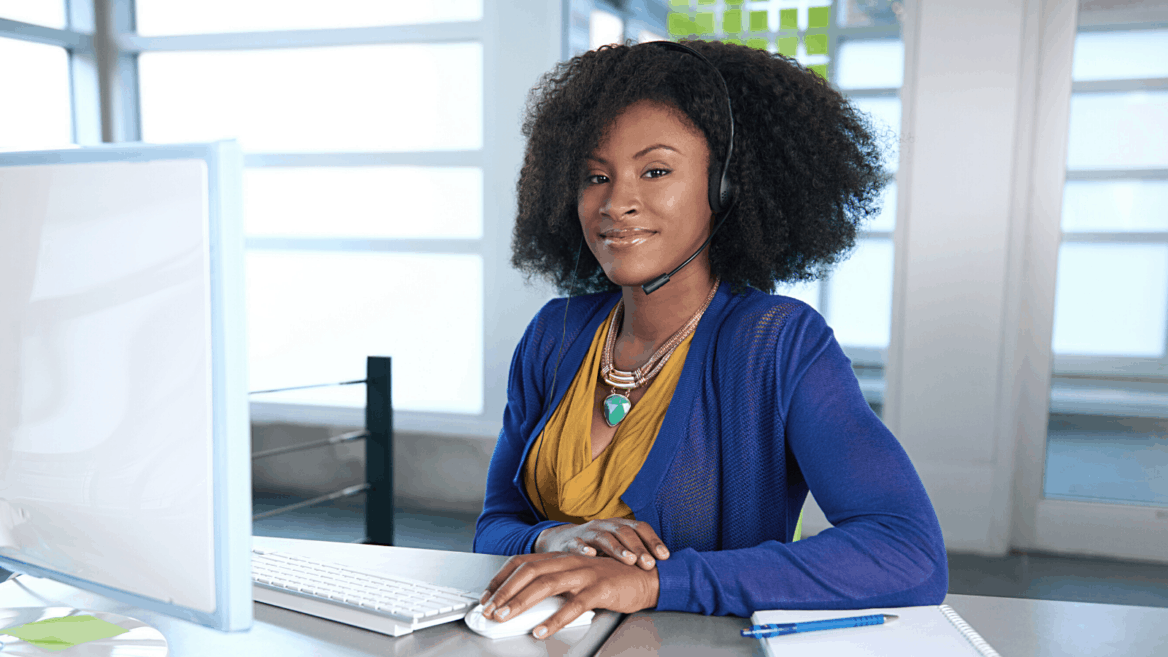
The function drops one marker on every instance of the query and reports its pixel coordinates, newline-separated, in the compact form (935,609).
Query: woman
(657,449)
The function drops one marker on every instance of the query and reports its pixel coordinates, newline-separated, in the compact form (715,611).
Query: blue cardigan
(767,406)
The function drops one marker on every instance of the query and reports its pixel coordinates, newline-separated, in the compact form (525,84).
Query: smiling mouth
(629,238)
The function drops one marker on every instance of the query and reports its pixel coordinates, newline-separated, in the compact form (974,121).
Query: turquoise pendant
(616,407)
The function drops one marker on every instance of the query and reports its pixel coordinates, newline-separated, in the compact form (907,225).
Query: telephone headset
(721,197)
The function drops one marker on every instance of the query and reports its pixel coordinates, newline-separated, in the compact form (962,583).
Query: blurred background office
(1018,273)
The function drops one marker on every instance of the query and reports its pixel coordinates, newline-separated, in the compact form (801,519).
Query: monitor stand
(141,640)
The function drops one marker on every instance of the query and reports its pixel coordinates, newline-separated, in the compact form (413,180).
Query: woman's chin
(632,278)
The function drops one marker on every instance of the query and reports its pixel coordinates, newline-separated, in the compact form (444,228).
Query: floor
(1110,459)
(1036,576)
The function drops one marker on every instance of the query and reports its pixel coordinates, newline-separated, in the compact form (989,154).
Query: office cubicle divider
(378,437)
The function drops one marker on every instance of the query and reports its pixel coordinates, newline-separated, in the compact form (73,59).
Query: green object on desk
(60,633)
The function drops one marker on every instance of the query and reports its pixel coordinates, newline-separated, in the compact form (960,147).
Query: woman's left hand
(586,583)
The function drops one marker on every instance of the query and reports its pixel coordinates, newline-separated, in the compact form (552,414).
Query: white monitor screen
(122,409)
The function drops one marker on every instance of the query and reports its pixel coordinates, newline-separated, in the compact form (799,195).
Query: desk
(286,633)
(1013,626)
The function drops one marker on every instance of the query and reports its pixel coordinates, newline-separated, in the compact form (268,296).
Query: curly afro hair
(807,167)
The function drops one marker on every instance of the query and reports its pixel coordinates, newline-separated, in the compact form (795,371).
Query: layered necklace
(617,405)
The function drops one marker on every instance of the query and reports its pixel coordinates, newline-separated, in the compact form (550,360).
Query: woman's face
(643,206)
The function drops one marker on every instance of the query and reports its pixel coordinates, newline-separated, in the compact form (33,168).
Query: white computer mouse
(523,623)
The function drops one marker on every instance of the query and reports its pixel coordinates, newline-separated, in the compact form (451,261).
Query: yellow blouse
(574,487)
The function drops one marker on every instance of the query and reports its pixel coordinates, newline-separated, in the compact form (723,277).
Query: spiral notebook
(918,631)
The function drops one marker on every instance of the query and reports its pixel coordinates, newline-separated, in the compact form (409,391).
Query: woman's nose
(622,200)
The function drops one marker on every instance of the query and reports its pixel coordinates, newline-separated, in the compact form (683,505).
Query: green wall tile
(679,25)
(788,46)
(761,44)
(789,19)
(732,21)
(818,16)
(705,22)
(816,44)
(758,21)
(819,69)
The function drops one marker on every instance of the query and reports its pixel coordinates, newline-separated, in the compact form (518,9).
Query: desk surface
(1015,627)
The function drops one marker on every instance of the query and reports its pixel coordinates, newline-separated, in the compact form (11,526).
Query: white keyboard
(390,605)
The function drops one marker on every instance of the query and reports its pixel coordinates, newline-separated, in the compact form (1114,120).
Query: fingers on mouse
(528,621)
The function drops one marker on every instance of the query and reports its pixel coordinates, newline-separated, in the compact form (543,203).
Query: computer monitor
(125,463)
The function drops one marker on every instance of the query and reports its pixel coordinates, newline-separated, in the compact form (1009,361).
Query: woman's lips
(619,240)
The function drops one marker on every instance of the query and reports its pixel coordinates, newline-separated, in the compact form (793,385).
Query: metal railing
(378,437)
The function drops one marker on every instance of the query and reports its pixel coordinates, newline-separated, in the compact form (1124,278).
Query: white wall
(971,67)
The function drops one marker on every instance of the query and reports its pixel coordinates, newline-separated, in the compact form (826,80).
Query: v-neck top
(574,487)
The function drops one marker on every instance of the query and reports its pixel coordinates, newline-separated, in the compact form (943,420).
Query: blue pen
(779,629)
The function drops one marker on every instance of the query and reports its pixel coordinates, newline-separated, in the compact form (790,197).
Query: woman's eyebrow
(639,154)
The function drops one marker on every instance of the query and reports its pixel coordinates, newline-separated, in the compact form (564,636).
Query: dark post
(378,452)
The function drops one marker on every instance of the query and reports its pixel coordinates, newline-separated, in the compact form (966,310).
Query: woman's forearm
(875,562)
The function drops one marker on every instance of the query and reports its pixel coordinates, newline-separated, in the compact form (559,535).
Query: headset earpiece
(722,201)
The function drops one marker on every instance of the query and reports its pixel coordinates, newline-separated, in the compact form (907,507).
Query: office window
(1113,261)
(166,17)
(604,28)
(364,201)
(363,191)
(48,13)
(644,36)
(1099,283)
(313,311)
(369,98)
(37,110)
(1106,434)
(590,24)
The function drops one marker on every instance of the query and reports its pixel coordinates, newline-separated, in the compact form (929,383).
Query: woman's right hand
(627,541)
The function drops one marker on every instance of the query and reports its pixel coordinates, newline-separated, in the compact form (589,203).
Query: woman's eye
(656,173)
(596,179)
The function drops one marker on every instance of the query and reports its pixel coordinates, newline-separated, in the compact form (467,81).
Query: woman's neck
(650,320)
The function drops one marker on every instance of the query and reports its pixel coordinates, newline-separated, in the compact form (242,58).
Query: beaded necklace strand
(617,405)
